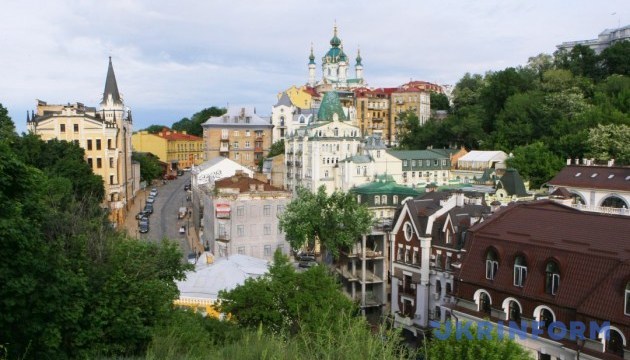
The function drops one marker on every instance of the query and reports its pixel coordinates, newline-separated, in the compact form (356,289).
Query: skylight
(578,174)
(611,176)
(627,177)
(594,175)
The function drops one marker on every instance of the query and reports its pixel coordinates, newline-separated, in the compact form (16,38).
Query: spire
(335,42)
(359,58)
(28,116)
(311,57)
(111,88)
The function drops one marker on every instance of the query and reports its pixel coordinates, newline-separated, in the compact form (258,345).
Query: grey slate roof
(284,100)
(111,87)
(358,159)
(238,117)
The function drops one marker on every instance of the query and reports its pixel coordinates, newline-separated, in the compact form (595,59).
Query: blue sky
(173,58)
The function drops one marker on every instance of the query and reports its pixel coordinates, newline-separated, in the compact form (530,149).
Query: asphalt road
(164,222)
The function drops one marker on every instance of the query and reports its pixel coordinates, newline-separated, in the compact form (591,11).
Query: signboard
(223,211)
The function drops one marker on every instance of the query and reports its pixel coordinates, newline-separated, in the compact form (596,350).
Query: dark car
(307,263)
(141,214)
(153,192)
(305,256)
(143,227)
(148,208)
(186,187)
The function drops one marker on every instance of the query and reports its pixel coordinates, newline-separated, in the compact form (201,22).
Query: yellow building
(104,134)
(300,97)
(178,149)
(239,135)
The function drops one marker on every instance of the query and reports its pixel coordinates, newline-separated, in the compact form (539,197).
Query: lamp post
(580,345)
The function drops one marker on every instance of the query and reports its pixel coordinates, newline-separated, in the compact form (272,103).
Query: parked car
(307,263)
(182,230)
(186,187)
(143,227)
(150,199)
(141,214)
(182,212)
(153,192)
(305,256)
(180,172)
(148,208)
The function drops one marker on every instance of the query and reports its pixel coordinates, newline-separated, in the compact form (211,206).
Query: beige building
(178,149)
(239,135)
(104,134)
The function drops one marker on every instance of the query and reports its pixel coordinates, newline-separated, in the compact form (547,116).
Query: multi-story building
(373,112)
(423,167)
(605,39)
(239,135)
(426,250)
(313,152)
(178,149)
(241,217)
(275,170)
(407,99)
(286,116)
(536,263)
(596,188)
(104,134)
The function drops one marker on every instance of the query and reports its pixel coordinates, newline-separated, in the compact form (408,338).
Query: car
(182,230)
(305,256)
(143,227)
(180,172)
(145,217)
(148,208)
(141,214)
(186,187)
(307,263)
(153,192)
(186,169)
(150,199)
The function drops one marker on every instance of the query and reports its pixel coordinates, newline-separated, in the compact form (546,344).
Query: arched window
(552,278)
(520,271)
(395,200)
(492,264)
(614,344)
(485,304)
(384,199)
(377,200)
(514,312)
(546,318)
(614,201)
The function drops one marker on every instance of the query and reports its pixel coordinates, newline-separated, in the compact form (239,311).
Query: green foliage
(615,59)
(610,142)
(476,347)
(336,220)
(536,163)
(284,300)
(439,102)
(277,148)
(193,125)
(150,167)
(154,129)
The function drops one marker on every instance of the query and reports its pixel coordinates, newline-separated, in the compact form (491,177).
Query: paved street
(164,222)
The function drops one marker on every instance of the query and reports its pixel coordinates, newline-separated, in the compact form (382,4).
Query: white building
(473,165)
(214,169)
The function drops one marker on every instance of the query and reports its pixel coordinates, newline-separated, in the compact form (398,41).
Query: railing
(224,148)
(602,209)
(225,237)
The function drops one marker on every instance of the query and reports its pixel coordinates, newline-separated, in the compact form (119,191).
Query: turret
(358,67)
(311,68)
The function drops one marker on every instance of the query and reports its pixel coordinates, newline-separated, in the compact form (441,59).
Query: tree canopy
(336,220)
(192,125)
(150,167)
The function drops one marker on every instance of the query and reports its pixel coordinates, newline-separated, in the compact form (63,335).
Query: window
(247,133)
(514,312)
(485,305)
(438,260)
(279,209)
(235,145)
(111,162)
(414,259)
(109,143)
(413,163)
(614,344)
(627,305)
(520,271)
(447,263)
(399,255)
(552,278)
(428,162)
(407,255)
(240,230)
(99,163)
(443,162)
(247,145)
(89,144)
(384,199)
(267,210)
(267,250)
(90,163)
(395,200)
(408,228)
(267,229)
(111,179)
(448,236)
(235,133)
(62,127)
(438,286)
(377,200)
(240,211)
(404,162)
(98,144)
(76,127)
(546,318)
(492,264)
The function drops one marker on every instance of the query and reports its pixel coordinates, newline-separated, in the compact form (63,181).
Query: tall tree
(610,142)
(536,163)
(336,220)
(616,59)
(150,167)
(439,102)
(193,125)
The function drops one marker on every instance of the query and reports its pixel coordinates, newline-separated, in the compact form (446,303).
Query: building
(275,170)
(239,135)
(474,165)
(200,289)
(313,152)
(509,187)
(595,188)
(545,262)
(426,245)
(423,167)
(287,116)
(178,149)
(240,216)
(104,134)
(217,168)
(605,39)
(407,99)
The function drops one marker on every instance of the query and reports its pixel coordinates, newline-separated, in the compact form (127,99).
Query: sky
(174,58)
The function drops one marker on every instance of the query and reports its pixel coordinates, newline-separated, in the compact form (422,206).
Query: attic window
(611,176)
(578,174)
(627,177)
(594,175)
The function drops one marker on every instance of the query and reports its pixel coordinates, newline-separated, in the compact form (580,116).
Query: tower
(358,67)
(311,68)
(343,68)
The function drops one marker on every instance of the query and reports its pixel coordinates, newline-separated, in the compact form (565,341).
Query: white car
(153,192)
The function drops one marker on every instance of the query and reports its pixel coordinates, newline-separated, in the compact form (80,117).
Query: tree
(154,129)
(610,142)
(616,59)
(193,125)
(472,345)
(150,167)
(439,102)
(336,220)
(500,86)
(581,60)
(285,301)
(536,163)
(7,128)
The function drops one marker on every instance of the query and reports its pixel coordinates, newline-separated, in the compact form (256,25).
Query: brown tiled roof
(592,251)
(561,193)
(242,182)
(610,178)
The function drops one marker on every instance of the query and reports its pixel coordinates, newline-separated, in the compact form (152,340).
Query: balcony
(258,149)
(114,188)
(409,290)
(377,119)
(222,237)
(224,148)
(602,209)
(347,274)
(225,137)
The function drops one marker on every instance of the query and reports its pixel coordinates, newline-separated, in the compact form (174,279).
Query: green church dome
(330,106)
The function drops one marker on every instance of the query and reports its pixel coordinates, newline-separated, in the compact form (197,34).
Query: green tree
(536,163)
(581,60)
(439,102)
(610,142)
(473,345)
(616,59)
(150,167)
(193,125)
(285,301)
(7,128)
(336,220)
(154,129)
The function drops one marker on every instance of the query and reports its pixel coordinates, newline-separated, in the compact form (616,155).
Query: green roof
(385,187)
(512,182)
(330,105)
(419,154)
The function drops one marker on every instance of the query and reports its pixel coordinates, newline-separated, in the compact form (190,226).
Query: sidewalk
(137,204)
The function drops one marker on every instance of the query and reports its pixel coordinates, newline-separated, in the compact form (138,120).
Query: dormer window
(594,175)
(384,199)
(395,199)
(377,200)
(552,278)
(492,264)
(578,174)
(520,271)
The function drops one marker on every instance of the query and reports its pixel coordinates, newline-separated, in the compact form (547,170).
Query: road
(164,222)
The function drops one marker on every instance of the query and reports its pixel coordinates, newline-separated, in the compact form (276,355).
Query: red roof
(593,177)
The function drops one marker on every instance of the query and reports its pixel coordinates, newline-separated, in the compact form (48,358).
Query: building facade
(605,39)
(104,134)
(239,135)
(240,216)
(178,149)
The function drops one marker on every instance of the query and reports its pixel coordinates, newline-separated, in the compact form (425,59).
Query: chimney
(584,161)
(494,206)
(459,198)
(611,162)
(568,161)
